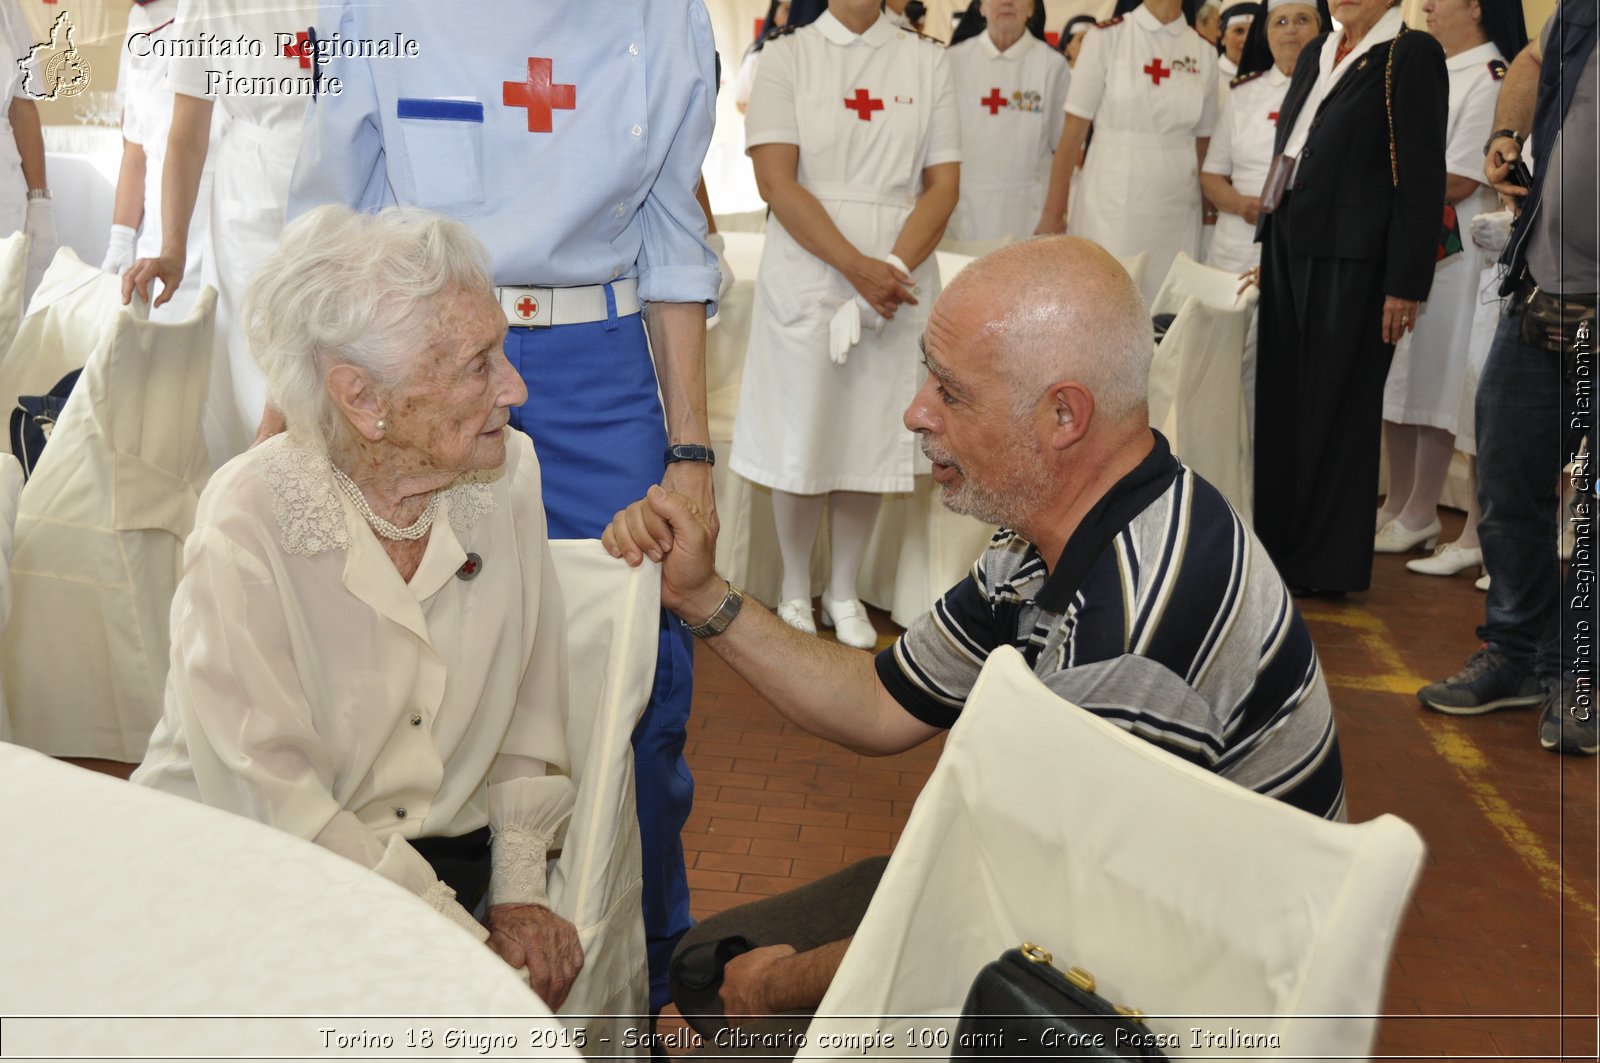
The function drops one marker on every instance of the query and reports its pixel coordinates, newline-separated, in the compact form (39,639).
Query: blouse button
(399,813)
(633,49)
(637,130)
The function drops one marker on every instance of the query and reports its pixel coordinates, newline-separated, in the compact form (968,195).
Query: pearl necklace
(383,527)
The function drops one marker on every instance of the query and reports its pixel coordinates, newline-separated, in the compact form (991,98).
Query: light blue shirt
(592,182)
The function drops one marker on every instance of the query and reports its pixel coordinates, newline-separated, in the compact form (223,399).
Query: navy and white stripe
(1179,630)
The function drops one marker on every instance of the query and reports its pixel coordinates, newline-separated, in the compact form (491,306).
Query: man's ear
(1072,407)
(355,396)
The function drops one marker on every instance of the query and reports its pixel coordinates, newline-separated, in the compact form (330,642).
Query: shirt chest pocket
(444,152)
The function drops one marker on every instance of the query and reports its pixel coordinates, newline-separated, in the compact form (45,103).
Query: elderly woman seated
(339,670)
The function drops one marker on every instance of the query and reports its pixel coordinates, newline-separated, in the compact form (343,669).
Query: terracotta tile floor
(1499,952)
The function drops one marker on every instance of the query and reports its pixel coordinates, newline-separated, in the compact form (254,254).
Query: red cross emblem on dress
(527,308)
(1157,71)
(863,105)
(540,96)
(994,101)
(299,50)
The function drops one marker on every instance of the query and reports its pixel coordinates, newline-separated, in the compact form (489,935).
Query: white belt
(544,307)
(1124,138)
(858,194)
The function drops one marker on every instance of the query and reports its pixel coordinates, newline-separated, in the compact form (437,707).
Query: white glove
(895,261)
(40,226)
(720,246)
(870,318)
(844,332)
(1491,231)
(119,252)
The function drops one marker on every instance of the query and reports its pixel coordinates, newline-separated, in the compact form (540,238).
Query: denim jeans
(1528,419)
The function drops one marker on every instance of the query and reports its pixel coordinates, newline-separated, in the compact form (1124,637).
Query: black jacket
(1344,202)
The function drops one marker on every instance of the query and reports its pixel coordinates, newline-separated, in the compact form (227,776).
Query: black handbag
(34,418)
(1020,1005)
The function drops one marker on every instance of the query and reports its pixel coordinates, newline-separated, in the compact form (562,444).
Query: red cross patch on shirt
(863,104)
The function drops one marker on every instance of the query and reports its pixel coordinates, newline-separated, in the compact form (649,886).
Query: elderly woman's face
(1289,27)
(450,417)
(1233,37)
(1206,23)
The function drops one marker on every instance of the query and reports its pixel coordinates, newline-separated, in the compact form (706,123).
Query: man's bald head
(1060,308)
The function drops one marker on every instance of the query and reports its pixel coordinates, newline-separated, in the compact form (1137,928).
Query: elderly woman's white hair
(346,288)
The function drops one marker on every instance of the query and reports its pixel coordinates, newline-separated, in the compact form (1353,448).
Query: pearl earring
(382,425)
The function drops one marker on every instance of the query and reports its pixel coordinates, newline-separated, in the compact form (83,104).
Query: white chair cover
(152,911)
(971,249)
(100,538)
(1197,397)
(10,490)
(1214,287)
(613,616)
(1191,898)
(13,276)
(745,221)
(72,314)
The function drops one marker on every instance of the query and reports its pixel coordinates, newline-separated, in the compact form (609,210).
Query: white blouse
(315,690)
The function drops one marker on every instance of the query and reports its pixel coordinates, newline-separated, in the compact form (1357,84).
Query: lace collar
(310,513)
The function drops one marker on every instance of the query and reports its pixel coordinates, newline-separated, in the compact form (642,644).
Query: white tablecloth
(122,901)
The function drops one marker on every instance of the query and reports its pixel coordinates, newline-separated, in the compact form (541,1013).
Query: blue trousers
(595,417)
(1528,418)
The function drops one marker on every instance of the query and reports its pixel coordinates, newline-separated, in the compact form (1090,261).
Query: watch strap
(690,452)
(718,622)
(1498,133)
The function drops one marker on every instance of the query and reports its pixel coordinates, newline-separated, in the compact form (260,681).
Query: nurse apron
(805,425)
(1140,186)
(1429,371)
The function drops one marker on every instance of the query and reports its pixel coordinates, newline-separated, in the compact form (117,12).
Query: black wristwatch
(690,452)
(1497,134)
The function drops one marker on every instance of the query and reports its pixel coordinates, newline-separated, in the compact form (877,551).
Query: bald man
(1127,582)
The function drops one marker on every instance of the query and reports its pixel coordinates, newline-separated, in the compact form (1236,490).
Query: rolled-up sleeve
(675,263)
(341,157)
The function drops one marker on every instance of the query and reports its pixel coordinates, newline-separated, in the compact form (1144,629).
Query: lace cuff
(442,899)
(517,873)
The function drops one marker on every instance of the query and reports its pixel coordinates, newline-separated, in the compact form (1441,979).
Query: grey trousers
(820,912)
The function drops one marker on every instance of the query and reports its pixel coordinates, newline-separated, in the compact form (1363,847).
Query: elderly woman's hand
(1399,318)
(881,285)
(532,935)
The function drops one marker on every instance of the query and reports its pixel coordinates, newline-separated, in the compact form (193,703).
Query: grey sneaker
(1489,681)
(1569,724)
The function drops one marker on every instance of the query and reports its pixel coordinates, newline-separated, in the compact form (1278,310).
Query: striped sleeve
(933,666)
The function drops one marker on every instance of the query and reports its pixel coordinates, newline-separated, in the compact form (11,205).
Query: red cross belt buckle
(527,308)
(863,104)
(994,101)
(540,95)
(1157,71)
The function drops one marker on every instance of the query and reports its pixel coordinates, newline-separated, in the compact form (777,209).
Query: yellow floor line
(1451,743)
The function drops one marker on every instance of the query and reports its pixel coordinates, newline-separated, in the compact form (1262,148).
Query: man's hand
(693,480)
(671,528)
(1503,151)
(746,981)
(166,267)
(532,935)
(881,285)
